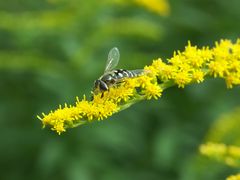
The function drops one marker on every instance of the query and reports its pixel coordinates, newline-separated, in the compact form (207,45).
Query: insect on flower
(113,77)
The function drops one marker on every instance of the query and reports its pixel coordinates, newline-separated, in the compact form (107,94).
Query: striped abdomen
(118,74)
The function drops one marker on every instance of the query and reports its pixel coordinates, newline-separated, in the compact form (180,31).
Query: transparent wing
(113,59)
(139,71)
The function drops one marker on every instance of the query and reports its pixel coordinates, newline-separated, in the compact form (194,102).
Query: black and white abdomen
(122,73)
(118,75)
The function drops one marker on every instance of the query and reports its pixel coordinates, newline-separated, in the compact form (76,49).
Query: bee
(113,77)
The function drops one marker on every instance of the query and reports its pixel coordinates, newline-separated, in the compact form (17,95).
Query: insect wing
(113,59)
(138,72)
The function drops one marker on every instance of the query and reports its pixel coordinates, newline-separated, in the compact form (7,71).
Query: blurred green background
(52,50)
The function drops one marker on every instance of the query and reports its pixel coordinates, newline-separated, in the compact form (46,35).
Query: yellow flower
(232,79)
(230,155)
(182,78)
(152,91)
(192,55)
(234,151)
(213,149)
(119,94)
(186,67)
(223,50)
(165,72)
(59,127)
(234,177)
(218,68)
(206,54)
(102,105)
(198,76)
(159,6)
(177,59)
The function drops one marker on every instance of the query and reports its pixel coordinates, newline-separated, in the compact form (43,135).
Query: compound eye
(96,83)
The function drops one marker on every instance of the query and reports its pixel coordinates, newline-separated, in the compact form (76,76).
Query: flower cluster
(190,66)
(158,6)
(221,152)
(103,104)
(234,177)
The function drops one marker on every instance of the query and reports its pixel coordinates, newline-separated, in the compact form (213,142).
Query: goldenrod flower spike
(234,177)
(229,155)
(190,66)
(160,7)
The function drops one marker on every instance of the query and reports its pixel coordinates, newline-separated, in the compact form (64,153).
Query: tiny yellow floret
(198,76)
(182,78)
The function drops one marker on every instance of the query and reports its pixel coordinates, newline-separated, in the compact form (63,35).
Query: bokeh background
(52,50)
